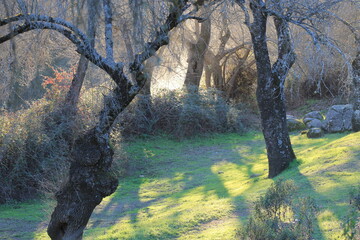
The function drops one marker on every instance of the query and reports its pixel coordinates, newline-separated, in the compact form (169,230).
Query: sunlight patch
(329,225)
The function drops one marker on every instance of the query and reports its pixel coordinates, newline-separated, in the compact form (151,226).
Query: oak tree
(89,178)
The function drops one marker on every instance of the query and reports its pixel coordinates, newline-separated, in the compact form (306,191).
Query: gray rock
(315,133)
(306,120)
(356,121)
(314,115)
(338,119)
(295,124)
(314,123)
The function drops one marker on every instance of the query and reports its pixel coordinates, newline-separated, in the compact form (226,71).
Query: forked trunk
(270,90)
(90,178)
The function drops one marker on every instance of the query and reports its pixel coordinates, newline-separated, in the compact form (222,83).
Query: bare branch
(348,25)
(234,49)
(108,30)
(188,16)
(19,29)
(22,6)
(80,40)
(161,37)
(43,18)
(241,3)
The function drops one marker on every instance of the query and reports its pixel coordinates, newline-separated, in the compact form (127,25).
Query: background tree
(196,54)
(354,64)
(229,61)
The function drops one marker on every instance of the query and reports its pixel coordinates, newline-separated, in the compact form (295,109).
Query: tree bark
(196,58)
(270,91)
(89,182)
(72,97)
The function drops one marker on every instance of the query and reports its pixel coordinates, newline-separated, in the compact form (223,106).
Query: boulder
(314,123)
(294,124)
(356,121)
(314,115)
(315,133)
(338,119)
(306,120)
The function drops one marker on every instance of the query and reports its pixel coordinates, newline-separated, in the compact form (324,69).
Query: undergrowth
(35,141)
(279,215)
(183,115)
(351,225)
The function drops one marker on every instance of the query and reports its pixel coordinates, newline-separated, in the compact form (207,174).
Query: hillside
(204,188)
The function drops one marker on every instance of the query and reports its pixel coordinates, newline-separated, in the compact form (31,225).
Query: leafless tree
(271,76)
(89,177)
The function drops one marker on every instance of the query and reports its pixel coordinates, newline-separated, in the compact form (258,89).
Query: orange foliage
(58,86)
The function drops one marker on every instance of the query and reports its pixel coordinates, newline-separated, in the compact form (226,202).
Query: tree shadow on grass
(307,188)
(308,179)
(125,201)
(192,176)
(22,220)
(199,181)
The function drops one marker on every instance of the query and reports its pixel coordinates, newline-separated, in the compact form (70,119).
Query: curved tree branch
(161,37)
(83,47)
(44,18)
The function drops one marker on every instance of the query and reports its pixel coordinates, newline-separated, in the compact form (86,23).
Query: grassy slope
(203,188)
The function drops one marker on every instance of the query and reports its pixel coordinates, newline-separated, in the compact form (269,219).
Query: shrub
(279,216)
(182,115)
(57,86)
(32,154)
(34,148)
(351,225)
(34,143)
(355,198)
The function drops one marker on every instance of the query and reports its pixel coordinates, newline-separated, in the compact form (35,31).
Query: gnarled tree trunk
(89,182)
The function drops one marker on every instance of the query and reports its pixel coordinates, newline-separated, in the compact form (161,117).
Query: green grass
(204,188)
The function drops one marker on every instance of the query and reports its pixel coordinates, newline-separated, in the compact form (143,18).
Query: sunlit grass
(204,188)
(329,224)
